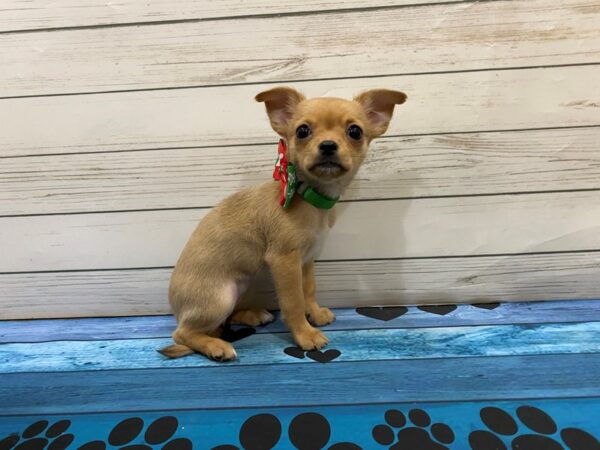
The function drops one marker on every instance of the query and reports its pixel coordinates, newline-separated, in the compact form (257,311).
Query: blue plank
(207,429)
(398,381)
(356,345)
(347,319)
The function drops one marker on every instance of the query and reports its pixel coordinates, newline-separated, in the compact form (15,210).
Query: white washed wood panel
(339,284)
(437,103)
(463,36)
(458,164)
(380,229)
(35,14)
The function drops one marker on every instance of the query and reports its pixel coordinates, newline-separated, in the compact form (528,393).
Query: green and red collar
(285,173)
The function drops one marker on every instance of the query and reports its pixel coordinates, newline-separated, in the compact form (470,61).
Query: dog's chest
(315,247)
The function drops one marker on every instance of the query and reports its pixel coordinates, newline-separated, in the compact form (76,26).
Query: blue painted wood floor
(482,377)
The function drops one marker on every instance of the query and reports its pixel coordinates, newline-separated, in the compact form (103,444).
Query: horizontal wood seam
(238,17)
(398,326)
(303,406)
(361,200)
(401,258)
(274,143)
(304,80)
(337,363)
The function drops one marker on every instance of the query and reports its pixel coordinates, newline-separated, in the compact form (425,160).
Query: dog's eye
(355,132)
(303,131)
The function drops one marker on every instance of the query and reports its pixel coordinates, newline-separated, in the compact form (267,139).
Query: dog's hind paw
(252,317)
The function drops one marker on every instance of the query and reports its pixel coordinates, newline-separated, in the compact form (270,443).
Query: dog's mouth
(328,169)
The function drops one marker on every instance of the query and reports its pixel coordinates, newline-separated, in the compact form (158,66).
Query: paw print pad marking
(315,355)
(157,433)
(54,438)
(307,431)
(421,435)
(125,431)
(533,419)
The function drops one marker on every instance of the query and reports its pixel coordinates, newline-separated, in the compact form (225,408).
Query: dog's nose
(328,148)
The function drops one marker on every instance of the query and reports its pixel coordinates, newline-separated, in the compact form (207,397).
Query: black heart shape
(486,305)
(323,357)
(231,335)
(296,352)
(384,313)
(440,310)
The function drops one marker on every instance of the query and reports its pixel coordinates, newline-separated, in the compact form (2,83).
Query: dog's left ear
(379,106)
(281,103)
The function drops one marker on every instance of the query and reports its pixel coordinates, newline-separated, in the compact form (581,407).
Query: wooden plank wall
(122,124)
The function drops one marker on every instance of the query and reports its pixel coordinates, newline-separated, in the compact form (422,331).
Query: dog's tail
(176,351)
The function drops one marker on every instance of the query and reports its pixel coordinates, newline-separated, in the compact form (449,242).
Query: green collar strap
(315,198)
(285,173)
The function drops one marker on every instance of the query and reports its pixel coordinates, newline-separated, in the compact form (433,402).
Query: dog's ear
(379,106)
(281,103)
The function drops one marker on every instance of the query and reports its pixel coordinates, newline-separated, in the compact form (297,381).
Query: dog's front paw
(320,316)
(310,339)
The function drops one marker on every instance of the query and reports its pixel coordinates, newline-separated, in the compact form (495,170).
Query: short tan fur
(249,231)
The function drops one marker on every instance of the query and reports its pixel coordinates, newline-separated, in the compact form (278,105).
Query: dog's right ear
(281,103)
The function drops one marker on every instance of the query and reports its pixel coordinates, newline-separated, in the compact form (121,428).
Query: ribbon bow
(285,173)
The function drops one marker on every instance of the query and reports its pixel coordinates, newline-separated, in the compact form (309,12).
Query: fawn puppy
(324,142)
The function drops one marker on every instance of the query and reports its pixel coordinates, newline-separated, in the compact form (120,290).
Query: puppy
(327,140)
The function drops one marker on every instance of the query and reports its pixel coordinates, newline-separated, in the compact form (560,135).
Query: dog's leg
(252,317)
(208,306)
(316,314)
(246,314)
(210,346)
(287,274)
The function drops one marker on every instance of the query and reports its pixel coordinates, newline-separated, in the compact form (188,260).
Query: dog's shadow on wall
(370,272)
(379,273)
(379,197)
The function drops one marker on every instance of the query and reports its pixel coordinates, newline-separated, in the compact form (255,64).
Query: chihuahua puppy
(327,140)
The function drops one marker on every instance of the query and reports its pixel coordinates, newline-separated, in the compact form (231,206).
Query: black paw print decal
(420,436)
(383,313)
(308,431)
(38,435)
(233,335)
(315,355)
(158,433)
(488,306)
(311,431)
(259,432)
(440,310)
(538,427)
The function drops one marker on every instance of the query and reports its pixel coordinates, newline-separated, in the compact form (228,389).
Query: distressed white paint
(383,282)
(36,14)
(461,133)
(457,36)
(380,229)
(440,165)
(437,103)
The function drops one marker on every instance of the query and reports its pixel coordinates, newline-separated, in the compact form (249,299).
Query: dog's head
(327,137)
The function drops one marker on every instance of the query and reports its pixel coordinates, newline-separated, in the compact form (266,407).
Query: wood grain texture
(455,164)
(81,13)
(267,348)
(227,115)
(461,36)
(430,227)
(497,378)
(144,327)
(383,282)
